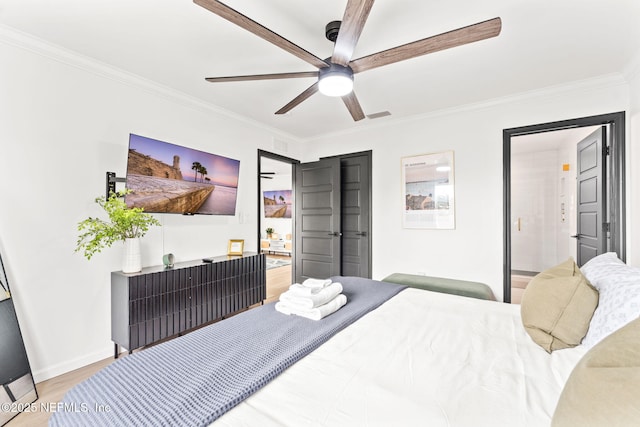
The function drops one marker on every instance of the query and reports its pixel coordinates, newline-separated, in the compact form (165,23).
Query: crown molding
(604,81)
(54,52)
(19,39)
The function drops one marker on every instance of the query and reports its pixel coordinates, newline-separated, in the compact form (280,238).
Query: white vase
(132,260)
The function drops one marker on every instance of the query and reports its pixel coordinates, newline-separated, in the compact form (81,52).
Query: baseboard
(70,365)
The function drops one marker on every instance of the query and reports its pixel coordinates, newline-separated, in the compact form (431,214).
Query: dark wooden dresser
(160,302)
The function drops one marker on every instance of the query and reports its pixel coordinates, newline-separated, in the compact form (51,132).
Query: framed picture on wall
(277,204)
(428,191)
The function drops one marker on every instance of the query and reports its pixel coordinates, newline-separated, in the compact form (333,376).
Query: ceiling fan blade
(298,99)
(459,37)
(355,16)
(250,25)
(351,101)
(262,77)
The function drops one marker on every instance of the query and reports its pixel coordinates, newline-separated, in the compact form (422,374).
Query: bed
(416,358)
(422,358)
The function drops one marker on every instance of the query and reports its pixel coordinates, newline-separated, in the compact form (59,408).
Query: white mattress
(421,359)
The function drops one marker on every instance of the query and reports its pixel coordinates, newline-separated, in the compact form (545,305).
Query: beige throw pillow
(557,307)
(604,387)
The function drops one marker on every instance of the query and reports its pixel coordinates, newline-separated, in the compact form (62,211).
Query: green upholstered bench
(440,284)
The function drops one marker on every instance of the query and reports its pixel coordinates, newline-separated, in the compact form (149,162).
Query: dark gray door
(591,225)
(356,202)
(318,222)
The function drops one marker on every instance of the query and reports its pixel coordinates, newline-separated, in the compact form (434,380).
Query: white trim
(13,37)
(41,47)
(607,80)
(69,365)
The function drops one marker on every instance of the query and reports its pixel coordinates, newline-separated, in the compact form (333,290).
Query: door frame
(616,204)
(293,163)
(369,159)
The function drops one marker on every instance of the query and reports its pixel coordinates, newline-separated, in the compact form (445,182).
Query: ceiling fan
(335,74)
(267,175)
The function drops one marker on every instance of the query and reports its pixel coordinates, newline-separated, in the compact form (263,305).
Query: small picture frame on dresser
(235,247)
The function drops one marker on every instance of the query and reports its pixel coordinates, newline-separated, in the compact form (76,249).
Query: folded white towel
(316,313)
(311,301)
(305,291)
(316,283)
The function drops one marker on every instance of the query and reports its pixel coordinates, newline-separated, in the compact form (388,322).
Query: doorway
(333,231)
(541,197)
(276,204)
(543,202)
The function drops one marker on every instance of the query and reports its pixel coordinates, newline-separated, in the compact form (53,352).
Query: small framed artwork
(277,204)
(236,247)
(428,191)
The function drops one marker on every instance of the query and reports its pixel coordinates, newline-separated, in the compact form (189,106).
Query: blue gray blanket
(194,379)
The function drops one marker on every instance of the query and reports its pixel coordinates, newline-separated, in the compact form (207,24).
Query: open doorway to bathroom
(276,220)
(543,202)
(545,199)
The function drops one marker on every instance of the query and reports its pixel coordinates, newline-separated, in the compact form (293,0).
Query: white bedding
(421,359)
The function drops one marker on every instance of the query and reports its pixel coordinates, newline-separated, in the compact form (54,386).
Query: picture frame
(235,247)
(428,191)
(277,203)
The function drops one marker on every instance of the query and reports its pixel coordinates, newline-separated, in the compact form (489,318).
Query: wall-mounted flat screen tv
(169,178)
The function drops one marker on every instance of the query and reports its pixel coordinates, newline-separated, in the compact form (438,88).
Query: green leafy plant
(124,223)
(269,231)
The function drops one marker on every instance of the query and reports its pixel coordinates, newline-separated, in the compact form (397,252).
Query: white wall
(64,122)
(534,197)
(633,165)
(567,190)
(472,251)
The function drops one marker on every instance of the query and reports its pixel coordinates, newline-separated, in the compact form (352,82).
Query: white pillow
(619,303)
(599,267)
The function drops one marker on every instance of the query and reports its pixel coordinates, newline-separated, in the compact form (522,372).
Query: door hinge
(607,150)
(606,226)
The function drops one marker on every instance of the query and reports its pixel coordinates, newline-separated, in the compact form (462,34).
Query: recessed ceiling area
(176,44)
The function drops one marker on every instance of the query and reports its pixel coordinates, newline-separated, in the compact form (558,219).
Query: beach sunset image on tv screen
(168,178)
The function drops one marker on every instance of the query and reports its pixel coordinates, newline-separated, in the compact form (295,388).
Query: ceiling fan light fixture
(335,74)
(335,80)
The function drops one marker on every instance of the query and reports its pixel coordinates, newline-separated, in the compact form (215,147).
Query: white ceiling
(177,43)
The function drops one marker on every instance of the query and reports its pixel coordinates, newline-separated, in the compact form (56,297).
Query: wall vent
(378,115)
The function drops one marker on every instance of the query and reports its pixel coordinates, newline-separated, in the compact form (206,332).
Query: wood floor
(278,280)
(519,283)
(52,391)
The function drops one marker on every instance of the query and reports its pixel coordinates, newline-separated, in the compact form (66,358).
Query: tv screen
(168,178)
